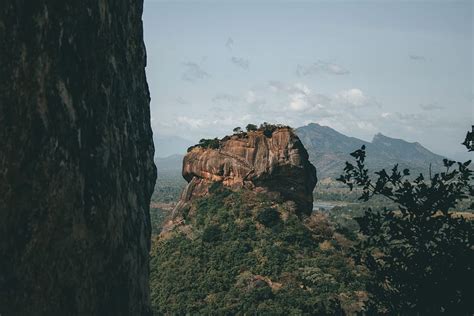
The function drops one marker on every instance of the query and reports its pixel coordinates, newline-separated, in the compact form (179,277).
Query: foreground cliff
(273,162)
(76,168)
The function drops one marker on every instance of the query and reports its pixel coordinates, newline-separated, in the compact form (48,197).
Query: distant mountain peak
(378,135)
(329,149)
(322,128)
(381,138)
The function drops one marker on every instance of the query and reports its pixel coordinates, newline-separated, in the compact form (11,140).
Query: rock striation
(76,158)
(276,164)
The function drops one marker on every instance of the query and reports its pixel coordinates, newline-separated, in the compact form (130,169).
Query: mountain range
(329,150)
(166,146)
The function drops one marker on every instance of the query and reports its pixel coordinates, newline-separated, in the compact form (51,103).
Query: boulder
(276,164)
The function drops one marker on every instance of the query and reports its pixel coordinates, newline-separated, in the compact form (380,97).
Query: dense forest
(386,245)
(247,254)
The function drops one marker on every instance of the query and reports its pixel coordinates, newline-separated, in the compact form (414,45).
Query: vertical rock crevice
(76,158)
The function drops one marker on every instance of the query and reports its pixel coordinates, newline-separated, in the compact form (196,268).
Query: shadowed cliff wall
(76,158)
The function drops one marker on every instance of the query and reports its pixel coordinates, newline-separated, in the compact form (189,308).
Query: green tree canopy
(421,255)
(251,127)
(237,130)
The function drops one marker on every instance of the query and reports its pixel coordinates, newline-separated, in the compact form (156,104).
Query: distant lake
(319,205)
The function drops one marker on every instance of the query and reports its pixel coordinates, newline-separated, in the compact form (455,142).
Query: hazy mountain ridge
(329,149)
(166,146)
(170,163)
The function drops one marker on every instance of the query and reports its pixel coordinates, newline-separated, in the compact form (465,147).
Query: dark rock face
(76,158)
(275,165)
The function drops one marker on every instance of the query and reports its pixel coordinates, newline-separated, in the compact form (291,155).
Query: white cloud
(240,62)
(193,72)
(321,66)
(299,97)
(229,43)
(295,104)
(298,103)
(250,97)
(366,126)
(354,97)
(276,86)
(191,122)
(302,88)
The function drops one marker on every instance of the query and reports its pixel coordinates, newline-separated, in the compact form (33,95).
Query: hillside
(329,150)
(238,252)
(243,238)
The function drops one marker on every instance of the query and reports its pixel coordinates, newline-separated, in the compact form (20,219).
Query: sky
(401,68)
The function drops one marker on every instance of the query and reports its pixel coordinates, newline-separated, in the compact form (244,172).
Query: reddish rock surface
(276,165)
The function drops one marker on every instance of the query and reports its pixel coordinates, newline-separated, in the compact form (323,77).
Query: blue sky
(404,69)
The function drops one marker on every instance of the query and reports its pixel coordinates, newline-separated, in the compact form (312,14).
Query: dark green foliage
(269,217)
(231,264)
(211,233)
(157,218)
(217,187)
(168,187)
(469,140)
(251,127)
(213,143)
(267,129)
(209,143)
(420,254)
(237,130)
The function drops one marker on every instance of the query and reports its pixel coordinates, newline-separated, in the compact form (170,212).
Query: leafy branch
(421,254)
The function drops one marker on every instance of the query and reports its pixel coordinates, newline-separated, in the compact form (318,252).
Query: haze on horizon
(400,68)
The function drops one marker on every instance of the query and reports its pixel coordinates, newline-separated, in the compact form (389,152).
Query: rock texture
(76,168)
(276,165)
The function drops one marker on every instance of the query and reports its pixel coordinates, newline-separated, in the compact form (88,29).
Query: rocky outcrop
(76,168)
(276,164)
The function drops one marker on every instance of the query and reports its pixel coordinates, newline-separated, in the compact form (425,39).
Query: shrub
(251,127)
(211,233)
(420,254)
(268,217)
